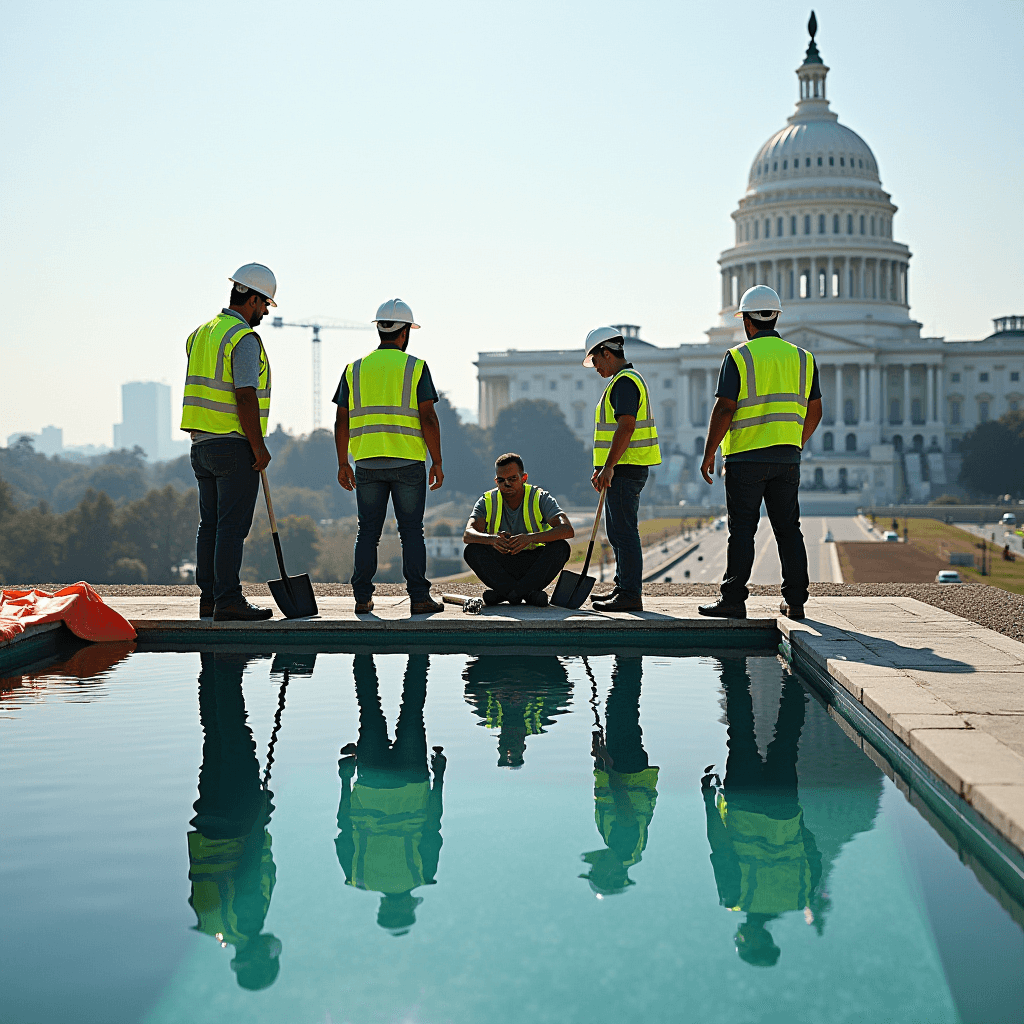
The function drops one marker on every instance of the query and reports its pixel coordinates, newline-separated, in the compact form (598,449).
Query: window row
(862,224)
(763,168)
(524,385)
(828,443)
(954,378)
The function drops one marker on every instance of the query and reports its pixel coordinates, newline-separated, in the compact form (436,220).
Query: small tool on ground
(293,594)
(470,605)
(573,588)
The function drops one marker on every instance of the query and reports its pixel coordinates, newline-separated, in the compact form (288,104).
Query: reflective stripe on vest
(643,449)
(493,507)
(775,387)
(384,416)
(209,399)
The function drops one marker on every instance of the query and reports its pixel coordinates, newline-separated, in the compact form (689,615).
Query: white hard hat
(759,299)
(257,277)
(596,338)
(394,311)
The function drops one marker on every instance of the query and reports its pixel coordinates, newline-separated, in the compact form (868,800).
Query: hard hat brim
(270,301)
(415,327)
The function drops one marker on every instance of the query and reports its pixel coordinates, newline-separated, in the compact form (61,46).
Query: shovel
(573,588)
(293,594)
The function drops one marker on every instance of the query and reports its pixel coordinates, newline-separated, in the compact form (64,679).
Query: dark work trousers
(228,489)
(621,515)
(520,574)
(777,484)
(407,488)
(624,738)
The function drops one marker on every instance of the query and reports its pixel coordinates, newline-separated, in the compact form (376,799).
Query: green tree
(299,537)
(92,531)
(160,531)
(31,546)
(467,468)
(993,456)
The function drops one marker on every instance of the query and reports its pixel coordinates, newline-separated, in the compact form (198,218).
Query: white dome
(813,148)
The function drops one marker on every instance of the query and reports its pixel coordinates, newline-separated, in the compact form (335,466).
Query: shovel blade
(572,589)
(294,596)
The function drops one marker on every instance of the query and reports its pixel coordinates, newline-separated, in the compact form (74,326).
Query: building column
(906,280)
(906,397)
(712,380)
(684,404)
(863,396)
(828,279)
(725,297)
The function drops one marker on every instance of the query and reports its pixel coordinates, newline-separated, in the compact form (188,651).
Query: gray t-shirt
(512,519)
(245,371)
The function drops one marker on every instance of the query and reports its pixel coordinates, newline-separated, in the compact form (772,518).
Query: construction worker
(390,817)
(625,447)
(769,403)
(231,865)
(386,418)
(517,698)
(625,783)
(517,537)
(765,859)
(225,409)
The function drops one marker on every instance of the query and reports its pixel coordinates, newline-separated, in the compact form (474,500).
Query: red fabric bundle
(81,609)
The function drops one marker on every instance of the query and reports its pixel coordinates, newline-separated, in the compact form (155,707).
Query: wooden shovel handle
(270,505)
(593,535)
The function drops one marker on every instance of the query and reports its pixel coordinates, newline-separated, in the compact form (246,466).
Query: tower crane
(316,325)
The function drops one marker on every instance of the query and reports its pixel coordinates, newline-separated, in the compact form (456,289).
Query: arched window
(808,163)
(819,477)
(849,223)
(860,164)
(848,416)
(918,443)
(819,161)
(897,442)
(792,225)
(842,161)
(778,226)
(775,165)
(862,223)
(851,442)
(785,164)
(827,442)
(835,224)
(807,223)
(805,287)
(831,161)
(821,223)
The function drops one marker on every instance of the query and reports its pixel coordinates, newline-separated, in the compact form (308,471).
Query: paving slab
(1003,807)
(1008,729)
(990,691)
(965,758)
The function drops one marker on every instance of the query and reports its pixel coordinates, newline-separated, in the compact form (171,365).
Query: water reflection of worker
(764,857)
(390,816)
(625,783)
(517,696)
(231,866)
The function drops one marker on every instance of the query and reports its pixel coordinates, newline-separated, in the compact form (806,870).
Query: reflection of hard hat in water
(608,876)
(258,278)
(397,912)
(755,944)
(256,964)
(599,337)
(760,302)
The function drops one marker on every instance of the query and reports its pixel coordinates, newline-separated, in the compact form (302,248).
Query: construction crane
(316,325)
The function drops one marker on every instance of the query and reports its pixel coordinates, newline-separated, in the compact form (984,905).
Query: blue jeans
(228,489)
(621,512)
(407,488)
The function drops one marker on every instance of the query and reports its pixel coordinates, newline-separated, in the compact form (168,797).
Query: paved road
(707,563)
(1003,534)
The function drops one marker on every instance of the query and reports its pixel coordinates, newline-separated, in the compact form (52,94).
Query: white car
(1009,519)
(948,576)
(891,535)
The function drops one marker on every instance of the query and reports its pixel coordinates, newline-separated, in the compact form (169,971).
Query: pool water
(507,836)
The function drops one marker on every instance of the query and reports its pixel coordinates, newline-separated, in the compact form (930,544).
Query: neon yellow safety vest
(383,414)
(493,506)
(619,796)
(643,447)
(209,402)
(775,386)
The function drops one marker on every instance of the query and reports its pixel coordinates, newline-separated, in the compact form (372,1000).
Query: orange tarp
(80,608)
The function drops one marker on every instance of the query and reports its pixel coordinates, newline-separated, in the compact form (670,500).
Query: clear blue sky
(518,172)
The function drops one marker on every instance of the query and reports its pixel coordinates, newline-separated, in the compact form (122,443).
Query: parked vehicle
(1009,519)
(891,535)
(948,576)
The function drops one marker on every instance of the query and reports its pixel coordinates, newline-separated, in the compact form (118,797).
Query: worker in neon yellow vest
(765,859)
(231,863)
(225,410)
(386,421)
(517,698)
(625,784)
(769,404)
(517,538)
(625,449)
(389,817)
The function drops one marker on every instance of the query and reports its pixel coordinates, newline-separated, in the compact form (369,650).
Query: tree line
(993,457)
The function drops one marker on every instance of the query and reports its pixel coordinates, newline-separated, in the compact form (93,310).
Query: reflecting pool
(502,836)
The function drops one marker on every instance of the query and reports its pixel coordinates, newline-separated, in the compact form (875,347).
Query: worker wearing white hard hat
(226,410)
(625,447)
(386,420)
(768,405)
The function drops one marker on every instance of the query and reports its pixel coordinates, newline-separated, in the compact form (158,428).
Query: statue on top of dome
(812,56)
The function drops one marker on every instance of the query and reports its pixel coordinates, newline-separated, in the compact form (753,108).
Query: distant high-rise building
(145,419)
(49,441)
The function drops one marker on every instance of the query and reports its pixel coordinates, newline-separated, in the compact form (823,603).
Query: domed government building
(816,224)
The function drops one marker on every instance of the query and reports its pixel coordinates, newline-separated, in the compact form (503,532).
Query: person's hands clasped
(602,478)
(519,543)
(500,543)
(346,477)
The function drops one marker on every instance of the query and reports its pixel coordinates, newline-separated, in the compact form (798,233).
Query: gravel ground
(990,607)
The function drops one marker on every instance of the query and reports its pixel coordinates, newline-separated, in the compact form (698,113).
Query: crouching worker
(517,537)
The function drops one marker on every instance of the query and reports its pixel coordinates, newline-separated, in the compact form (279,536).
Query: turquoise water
(563,858)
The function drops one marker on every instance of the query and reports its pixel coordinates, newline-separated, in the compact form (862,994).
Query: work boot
(619,602)
(364,607)
(241,612)
(722,610)
(792,611)
(492,597)
(206,607)
(538,598)
(427,607)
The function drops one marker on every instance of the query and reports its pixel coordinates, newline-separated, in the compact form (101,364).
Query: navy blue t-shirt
(729,387)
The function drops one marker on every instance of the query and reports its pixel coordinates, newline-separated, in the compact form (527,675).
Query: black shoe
(427,606)
(241,612)
(721,610)
(538,598)
(364,607)
(492,597)
(514,599)
(792,611)
(206,607)
(618,603)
